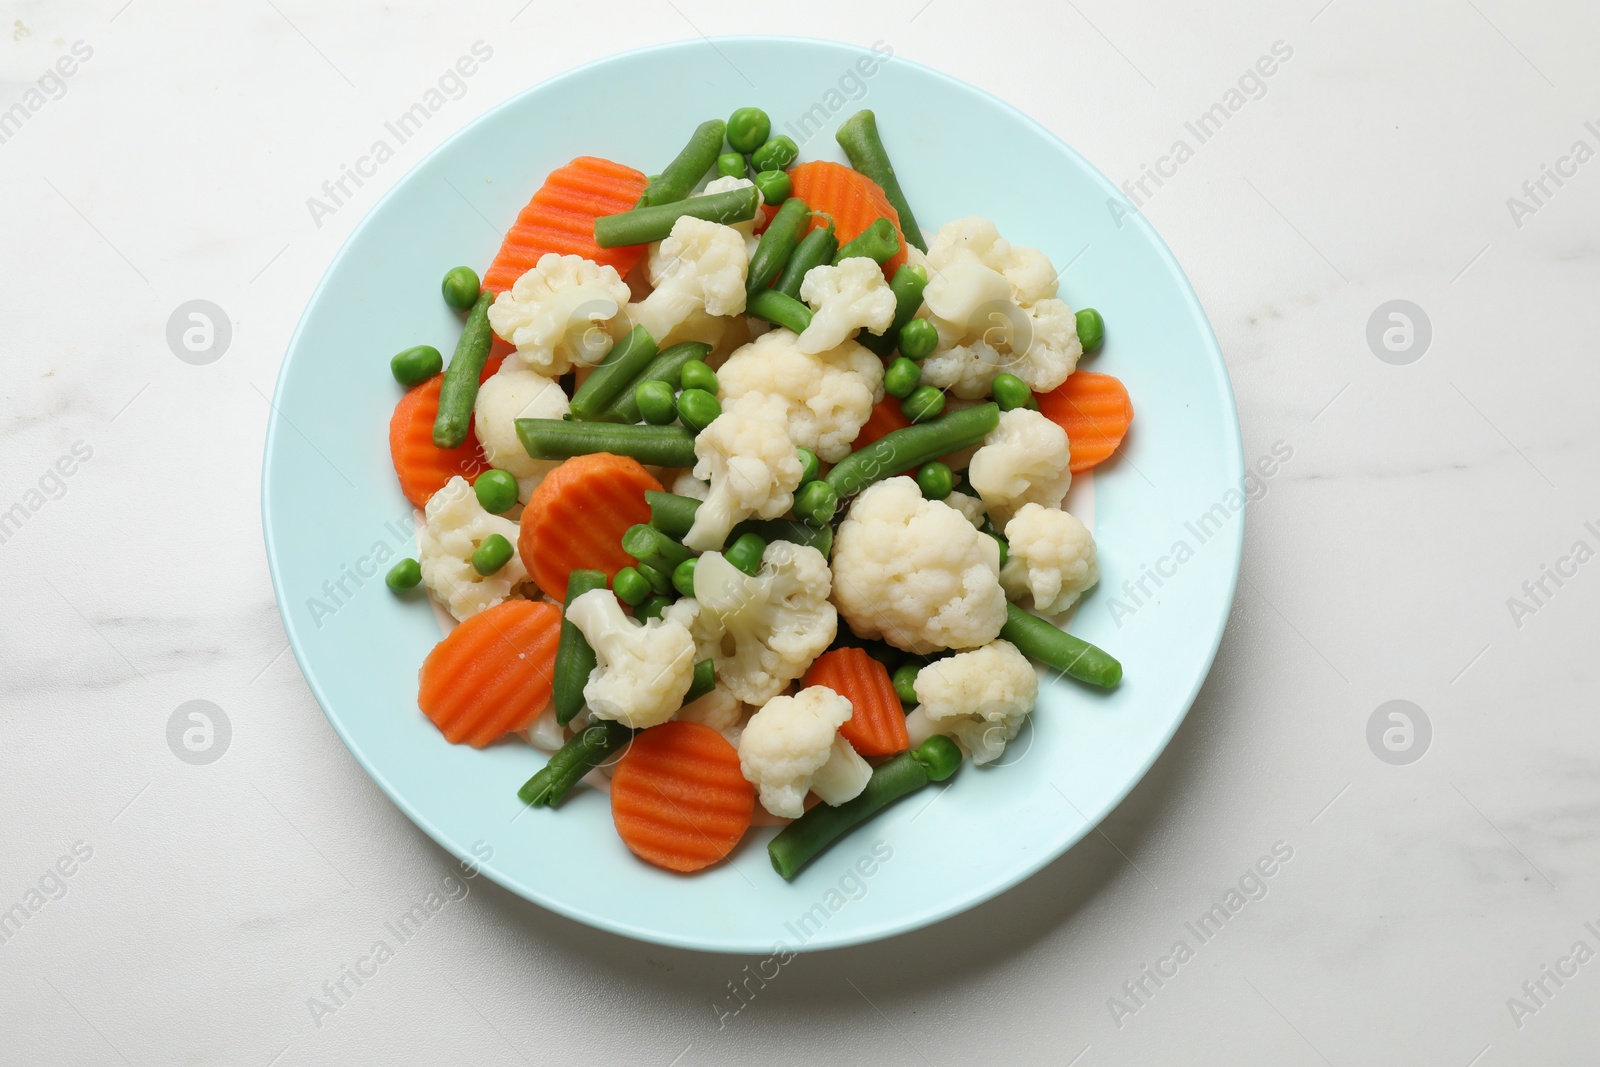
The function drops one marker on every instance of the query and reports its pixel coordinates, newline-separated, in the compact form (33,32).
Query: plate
(333,514)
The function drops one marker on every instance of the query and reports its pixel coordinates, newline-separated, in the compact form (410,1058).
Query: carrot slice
(493,674)
(1095,411)
(560,218)
(424,467)
(679,799)
(877,725)
(885,417)
(852,199)
(576,518)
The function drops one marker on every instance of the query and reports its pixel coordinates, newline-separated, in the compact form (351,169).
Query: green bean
(664,368)
(901,378)
(403,575)
(936,480)
(496,491)
(652,608)
(630,586)
(814,249)
(877,242)
(660,580)
(654,223)
(810,465)
(816,502)
(1091,329)
(650,546)
(776,154)
(746,552)
(459,390)
(626,361)
(1061,651)
(780,309)
(415,365)
(574,656)
(492,553)
(583,752)
(809,836)
(1010,392)
(858,136)
(924,403)
(905,681)
(705,680)
(908,284)
(697,409)
(656,402)
(673,515)
(913,446)
(748,129)
(732,165)
(683,576)
(460,288)
(918,339)
(778,242)
(663,446)
(775,185)
(697,374)
(680,176)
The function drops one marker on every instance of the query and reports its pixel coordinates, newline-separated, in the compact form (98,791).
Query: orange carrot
(492,674)
(424,467)
(877,725)
(560,218)
(679,799)
(576,518)
(853,200)
(1095,411)
(886,417)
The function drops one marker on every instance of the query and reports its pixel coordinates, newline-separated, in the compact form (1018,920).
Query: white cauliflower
(456,526)
(701,269)
(844,299)
(971,507)
(762,631)
(788,747)
(995,307)
(641,671)
(1052,558)
(915,572)
(686,484)
(1024,460)
(752,466)
(559,313)
(655,262)
(981,698)
(511,393)
(828,396)
(718,709)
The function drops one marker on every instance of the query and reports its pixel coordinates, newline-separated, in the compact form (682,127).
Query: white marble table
(1408,902)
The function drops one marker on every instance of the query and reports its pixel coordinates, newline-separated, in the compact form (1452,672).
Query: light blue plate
(331,506)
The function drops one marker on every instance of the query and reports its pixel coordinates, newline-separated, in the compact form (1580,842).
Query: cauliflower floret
(752,466)
(656,262)
(686,484)
(788,747)
(456,526)
(844,299)
(762,631)
(915,572)
(1052,558)
(1024,460)
(718,709)
(558,313)
(641,672)
(966,370)
(981,698)
(701,269)
(515,392)
(1027,270)
(827,396)
(971,507)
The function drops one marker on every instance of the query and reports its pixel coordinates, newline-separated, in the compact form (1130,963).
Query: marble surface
(1409,899)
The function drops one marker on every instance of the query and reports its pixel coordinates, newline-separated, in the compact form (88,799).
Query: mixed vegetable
(743,490)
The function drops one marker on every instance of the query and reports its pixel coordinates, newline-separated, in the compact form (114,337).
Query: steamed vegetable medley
(743,491)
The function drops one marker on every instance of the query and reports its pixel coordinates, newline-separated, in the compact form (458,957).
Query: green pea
(905,679)
(810,465)
(696,374)
(403,575)
(660,581)
(775,154)
(657,403)
(746,552)
(652,608)
(775,185)
(631,587)
(1011,392)
(924,404)
(918,339)
(416,365)
(697,409)
(731,165)
(748,129)
(1005,550)
(902,378)
(461,288)
(492,553)
(936,480)
(683,576)
(1091,329)
(816,502)
(497,491)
